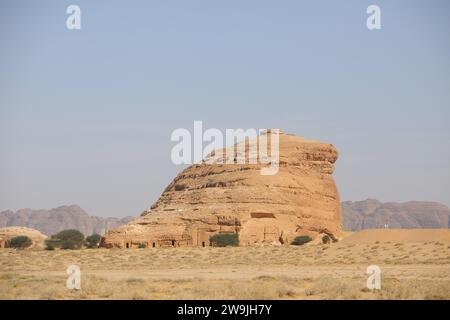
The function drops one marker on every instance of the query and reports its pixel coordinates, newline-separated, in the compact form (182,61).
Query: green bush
(301,240)
(49,245)
(20,242)
(92,241)
(224,239)
(142,246)
(326,239)
(66,239)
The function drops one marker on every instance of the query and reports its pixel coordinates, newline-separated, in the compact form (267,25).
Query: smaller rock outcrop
(6,234)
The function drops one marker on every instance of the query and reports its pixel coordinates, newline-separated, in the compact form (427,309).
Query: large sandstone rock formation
(55,220)
(205,199)
(373,214)
(8,233)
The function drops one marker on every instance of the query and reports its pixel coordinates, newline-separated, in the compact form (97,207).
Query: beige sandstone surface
(206,199)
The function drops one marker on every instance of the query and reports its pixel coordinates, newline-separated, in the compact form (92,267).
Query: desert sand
(415,264)
(397,235)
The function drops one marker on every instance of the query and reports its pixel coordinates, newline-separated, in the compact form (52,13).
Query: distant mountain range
(356,215)
(373,214)
(52,221)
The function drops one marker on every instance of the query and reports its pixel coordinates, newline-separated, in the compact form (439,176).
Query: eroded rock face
(205,199)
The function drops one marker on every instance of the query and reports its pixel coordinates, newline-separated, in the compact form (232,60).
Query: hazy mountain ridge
(356,215)
(372,214)
(54,220)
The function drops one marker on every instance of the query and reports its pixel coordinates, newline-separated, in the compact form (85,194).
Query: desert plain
(415,264)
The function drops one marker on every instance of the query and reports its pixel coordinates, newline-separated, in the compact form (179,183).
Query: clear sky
(86,115)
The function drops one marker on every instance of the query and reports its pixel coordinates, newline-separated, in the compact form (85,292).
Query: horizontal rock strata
(206,199)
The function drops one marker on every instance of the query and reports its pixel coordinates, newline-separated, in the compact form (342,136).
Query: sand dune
(398,235)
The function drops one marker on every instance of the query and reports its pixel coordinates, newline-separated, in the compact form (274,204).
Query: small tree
(69,245)
(92,241)
(326,239)
(301,240)
(225,239)
(66,239)
(20,242)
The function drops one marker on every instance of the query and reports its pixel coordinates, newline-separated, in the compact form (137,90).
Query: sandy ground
(414,265)
(398,235)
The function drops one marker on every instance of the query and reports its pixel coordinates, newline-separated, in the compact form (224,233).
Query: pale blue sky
(86,116)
